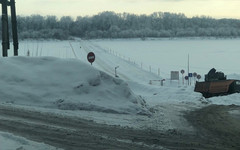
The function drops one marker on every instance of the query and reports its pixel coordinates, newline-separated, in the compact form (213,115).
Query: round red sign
(91,57)
(182,71)
(198,77)
(194,74)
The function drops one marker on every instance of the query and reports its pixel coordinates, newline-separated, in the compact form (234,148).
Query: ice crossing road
(107,61)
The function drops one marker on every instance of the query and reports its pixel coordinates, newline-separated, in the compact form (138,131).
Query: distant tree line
(125,25)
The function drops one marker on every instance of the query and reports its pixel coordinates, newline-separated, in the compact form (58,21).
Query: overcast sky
(213,8)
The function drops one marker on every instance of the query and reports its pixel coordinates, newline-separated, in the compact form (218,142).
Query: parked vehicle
(216,84)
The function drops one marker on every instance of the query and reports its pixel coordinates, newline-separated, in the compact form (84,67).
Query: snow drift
(67,84)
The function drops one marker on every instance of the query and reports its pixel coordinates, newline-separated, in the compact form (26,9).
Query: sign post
(194,75)
(182,72)
(186,78)
(116,72)
(190,75)
(91,57)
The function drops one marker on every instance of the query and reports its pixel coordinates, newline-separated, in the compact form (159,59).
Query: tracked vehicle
(217,84)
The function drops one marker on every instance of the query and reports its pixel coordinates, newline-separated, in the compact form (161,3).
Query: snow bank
(65,84)
(233,99)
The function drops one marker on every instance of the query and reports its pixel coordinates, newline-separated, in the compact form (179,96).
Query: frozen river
(152,54)
(223,54)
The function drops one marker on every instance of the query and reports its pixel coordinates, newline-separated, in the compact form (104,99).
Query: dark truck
(216,84)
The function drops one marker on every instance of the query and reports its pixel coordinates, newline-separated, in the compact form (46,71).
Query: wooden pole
(188,70)
(4,29)
(14,27)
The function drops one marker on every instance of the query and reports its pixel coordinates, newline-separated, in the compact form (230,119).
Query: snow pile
(157,95)
(66,84)
(232,99)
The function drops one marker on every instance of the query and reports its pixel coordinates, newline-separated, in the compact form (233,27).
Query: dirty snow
(9,141)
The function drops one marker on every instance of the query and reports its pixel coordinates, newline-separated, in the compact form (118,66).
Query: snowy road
(71,133)
(75,133)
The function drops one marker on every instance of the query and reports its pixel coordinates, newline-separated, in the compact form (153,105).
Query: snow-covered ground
(69,85)
(9,141)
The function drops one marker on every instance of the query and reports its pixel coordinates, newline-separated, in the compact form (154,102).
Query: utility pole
(5,28)
(14,27)
(188,69)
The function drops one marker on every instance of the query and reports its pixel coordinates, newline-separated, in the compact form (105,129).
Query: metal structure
(5,28)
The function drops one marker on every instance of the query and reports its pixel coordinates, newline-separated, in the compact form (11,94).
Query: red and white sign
(198,77)
(182,71)
(195,74)
(91,57)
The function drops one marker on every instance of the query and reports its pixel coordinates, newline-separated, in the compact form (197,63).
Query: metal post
(4,29)
(188,69)
(116,71)
(14,27)
(182,79)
